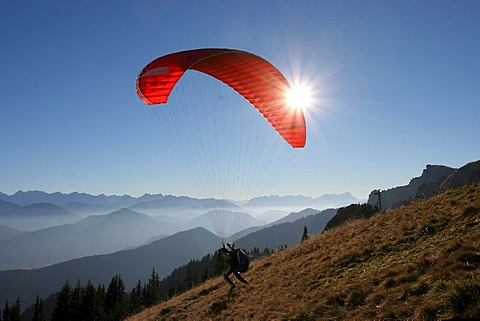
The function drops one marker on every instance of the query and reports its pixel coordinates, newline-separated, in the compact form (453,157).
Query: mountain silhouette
(7,206)
(224,222)
(36,216)
(97,234)
(7,233)
(164,255)
(287,233)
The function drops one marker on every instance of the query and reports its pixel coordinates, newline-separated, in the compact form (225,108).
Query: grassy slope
(419,262)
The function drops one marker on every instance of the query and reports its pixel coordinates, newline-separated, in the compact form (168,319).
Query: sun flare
(299,96)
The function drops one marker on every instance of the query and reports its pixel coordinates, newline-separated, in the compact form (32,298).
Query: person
(237,262)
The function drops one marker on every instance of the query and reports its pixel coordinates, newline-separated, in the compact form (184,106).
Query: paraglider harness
(237,259)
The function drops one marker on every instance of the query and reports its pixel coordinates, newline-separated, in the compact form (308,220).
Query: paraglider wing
(257,80)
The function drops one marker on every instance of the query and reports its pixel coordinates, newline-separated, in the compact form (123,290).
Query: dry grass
(418,262)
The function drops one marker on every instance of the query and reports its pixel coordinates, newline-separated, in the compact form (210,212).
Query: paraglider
(254,78)
(227,158)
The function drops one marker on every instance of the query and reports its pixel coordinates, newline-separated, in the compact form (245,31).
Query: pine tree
(188,283)
(77,303)
(6,312)
(100,298)
(92,307)
(16,311)
(62,310)
(116,300)
(136,299)
(39,313)
(205,275)
(305,234)
(101,293)
(153,289)
(171,291)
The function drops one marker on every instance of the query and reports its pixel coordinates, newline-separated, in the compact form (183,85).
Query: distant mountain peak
(44,208)
(126,212)
(432,173)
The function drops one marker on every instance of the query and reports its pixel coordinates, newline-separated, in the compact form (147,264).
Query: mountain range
(297,203)
(24,198)
(8,233)
(83,204)
(224,222)
(96,234)
(163,255)
(36,216)
(100,234)
(287,232)
(135,264)
(40,234)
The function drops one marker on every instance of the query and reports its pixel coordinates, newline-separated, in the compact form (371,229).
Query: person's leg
(225,276)
(240,278)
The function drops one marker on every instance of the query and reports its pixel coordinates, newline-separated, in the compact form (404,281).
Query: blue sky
(397,86)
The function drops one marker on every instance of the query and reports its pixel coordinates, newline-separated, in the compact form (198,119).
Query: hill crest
(434,178)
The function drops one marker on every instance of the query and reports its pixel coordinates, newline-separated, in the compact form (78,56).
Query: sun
(298,96)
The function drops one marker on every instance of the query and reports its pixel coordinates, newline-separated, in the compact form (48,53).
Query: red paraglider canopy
(257,80)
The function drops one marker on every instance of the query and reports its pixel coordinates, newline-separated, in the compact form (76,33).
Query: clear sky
(397,86)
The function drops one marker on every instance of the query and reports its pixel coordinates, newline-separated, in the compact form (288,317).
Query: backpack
(243,261)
